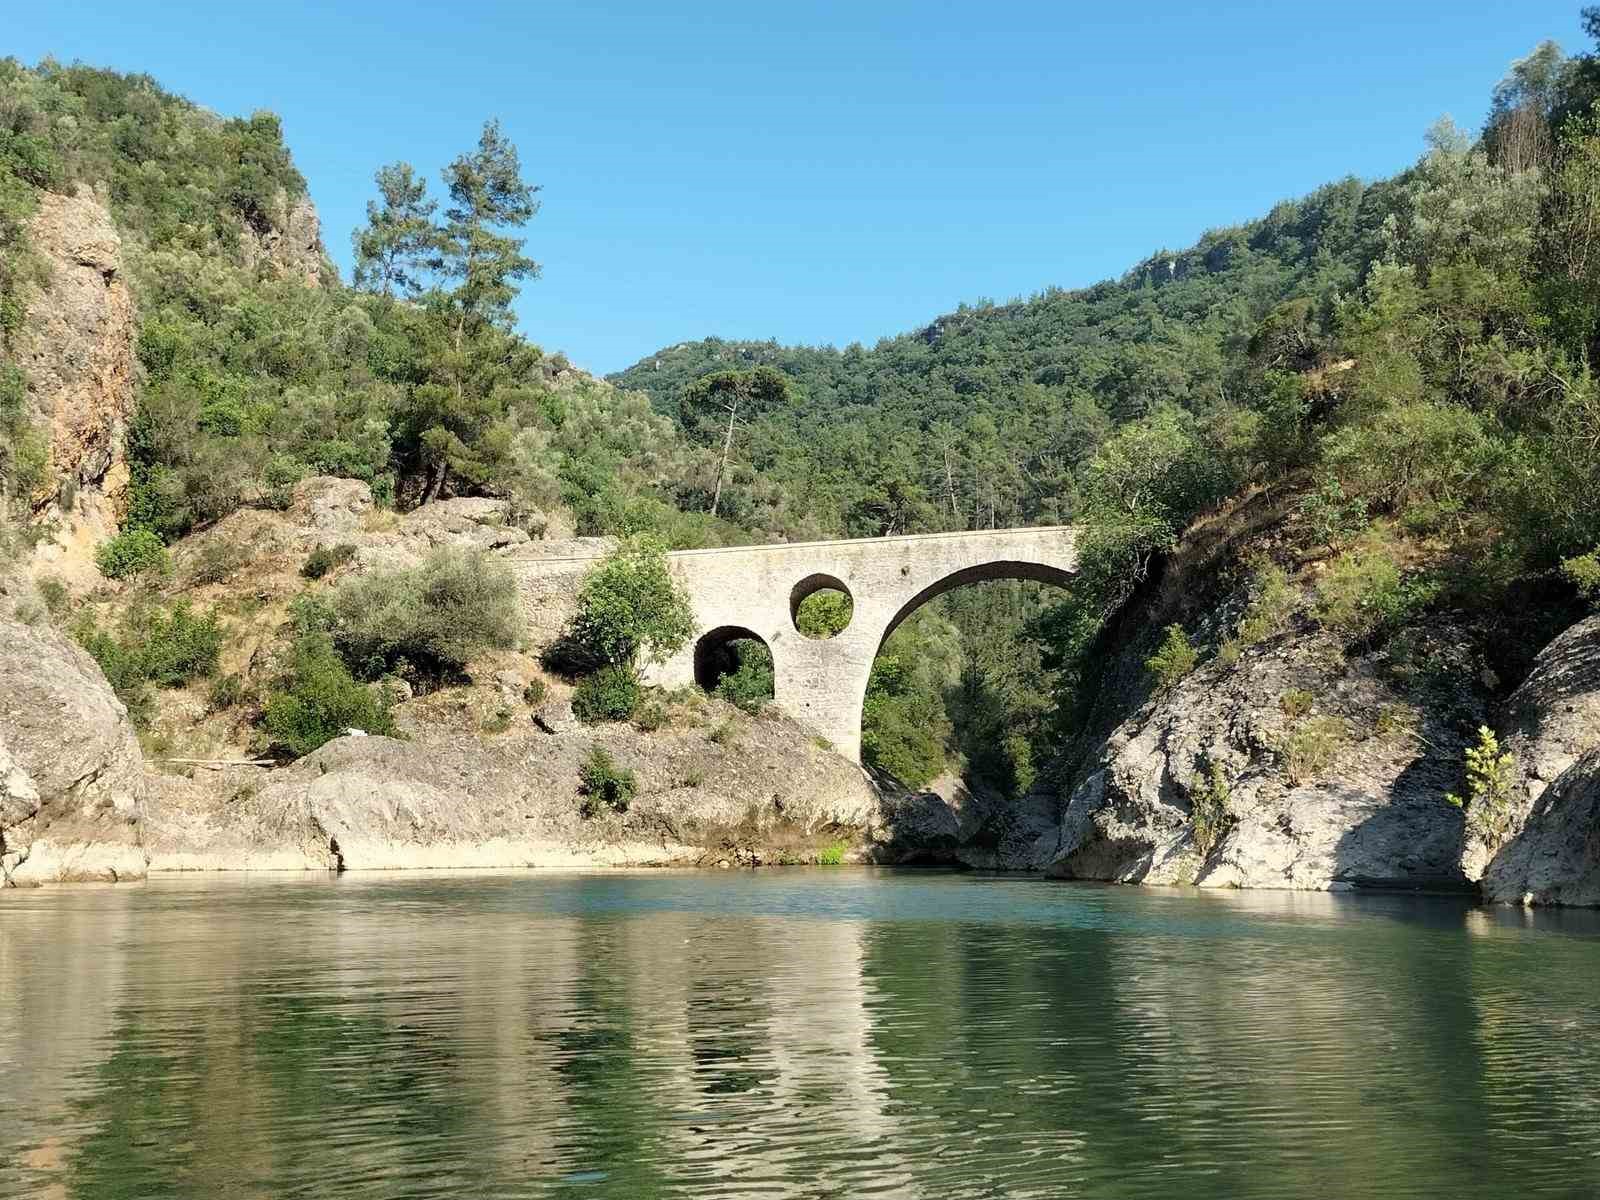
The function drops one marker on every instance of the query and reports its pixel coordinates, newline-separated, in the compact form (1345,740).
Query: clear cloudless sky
(824,172)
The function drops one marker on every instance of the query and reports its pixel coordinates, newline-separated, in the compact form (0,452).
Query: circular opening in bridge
(736,664)
(821,606)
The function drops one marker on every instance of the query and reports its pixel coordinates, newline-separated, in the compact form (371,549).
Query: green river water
(804,1033)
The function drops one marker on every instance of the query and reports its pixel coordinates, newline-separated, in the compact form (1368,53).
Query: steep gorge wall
(76,350)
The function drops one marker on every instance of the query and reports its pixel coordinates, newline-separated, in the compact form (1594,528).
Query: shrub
(1414,453)
(435,617)
(1583,573)
(1364,594)
(54,594)
(610,694)
(132,553)
(533,695)
(831,856)
(1296,703)
(1490,775)
(218,558)
(630,606)
(650,717)
(1271,605)
(227,692)
(317,699)
(497,722)
(749,686)
(154,648)
(1394,719)
(723,733)
(325,558)
(1312,747)
(604,785)
(179,647)
(1332,517)
(1209,793)
(1173,660)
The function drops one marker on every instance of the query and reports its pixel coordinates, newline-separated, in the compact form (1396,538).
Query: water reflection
(808,1034)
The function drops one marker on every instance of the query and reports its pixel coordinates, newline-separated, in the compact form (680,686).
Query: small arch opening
(821,606)
(736,664)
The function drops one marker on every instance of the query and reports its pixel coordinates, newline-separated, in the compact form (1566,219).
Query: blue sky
(825,172)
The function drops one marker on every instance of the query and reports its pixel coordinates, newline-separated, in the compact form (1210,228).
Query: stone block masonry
(754,591)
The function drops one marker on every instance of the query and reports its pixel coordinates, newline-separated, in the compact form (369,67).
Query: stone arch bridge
(755,591)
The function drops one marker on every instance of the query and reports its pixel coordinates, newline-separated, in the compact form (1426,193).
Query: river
(804,1033)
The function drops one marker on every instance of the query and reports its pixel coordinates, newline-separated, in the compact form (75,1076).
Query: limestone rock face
(72,783)
(470,521)
(1333,777)
(456,800)
(1552,720)
(1555,859)
(327,504)
(290,241)
(76,350)
(1553,728)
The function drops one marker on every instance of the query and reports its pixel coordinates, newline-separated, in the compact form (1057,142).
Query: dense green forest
(1413,355)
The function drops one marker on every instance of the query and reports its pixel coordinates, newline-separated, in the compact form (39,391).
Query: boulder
(1552,720)
(72,784)
(1555,859)
(473,522)
(1332,775)
(554,715)
(328,504)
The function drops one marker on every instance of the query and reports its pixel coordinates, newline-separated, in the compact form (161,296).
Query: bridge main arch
(823,683)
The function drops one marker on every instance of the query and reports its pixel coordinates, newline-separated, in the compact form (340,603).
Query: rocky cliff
(1322,770)
(72,779)
(76,351)
(1553,855)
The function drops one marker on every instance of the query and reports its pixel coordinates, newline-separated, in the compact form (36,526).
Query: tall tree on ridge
(399,245)
(714,406)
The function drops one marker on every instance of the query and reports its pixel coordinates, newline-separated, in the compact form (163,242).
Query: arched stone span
(713,652)
(823,683)
(755,589)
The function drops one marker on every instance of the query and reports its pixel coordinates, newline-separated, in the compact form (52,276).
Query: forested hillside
(252,376)
(1408,360)
(1414,354)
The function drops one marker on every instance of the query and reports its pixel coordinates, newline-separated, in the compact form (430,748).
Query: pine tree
(398,248)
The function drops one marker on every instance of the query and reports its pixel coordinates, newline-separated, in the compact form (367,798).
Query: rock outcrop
(77,352)
(1326,772)
(72,782)
(289,241)
(328,504)
(1553,729)
(1551,720)
(377,803)
(1555,859)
